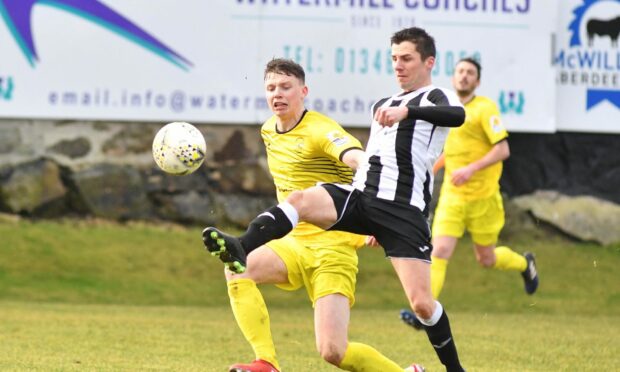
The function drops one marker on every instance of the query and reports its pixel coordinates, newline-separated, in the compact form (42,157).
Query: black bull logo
(600,27)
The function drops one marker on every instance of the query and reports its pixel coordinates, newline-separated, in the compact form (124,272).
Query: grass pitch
(66,337)
(100,296)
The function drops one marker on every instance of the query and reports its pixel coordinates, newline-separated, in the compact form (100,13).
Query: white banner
(202,61)
(587,60)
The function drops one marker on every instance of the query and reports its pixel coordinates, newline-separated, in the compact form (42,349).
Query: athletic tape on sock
(435,317)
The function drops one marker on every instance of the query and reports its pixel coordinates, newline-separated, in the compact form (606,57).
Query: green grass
(108,297)
(61,337)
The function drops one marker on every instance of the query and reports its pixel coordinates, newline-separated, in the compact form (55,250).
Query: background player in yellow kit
(470,197)
(303,148)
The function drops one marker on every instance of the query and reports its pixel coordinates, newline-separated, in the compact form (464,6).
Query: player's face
(285,95)
(465,79)
(411,71)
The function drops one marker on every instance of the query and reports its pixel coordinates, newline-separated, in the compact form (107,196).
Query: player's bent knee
(305,203)
(331,352)
(300,201)
(486,262)
(423,309)
(441,251)
(296,199)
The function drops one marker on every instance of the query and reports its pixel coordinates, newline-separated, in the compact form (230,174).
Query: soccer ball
(179,148)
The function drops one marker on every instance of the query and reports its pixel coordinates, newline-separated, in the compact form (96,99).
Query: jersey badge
(496,124)
(337,138)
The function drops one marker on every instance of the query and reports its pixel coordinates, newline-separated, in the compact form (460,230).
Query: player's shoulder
(439,89)
(442,96)
(323,130)
(317,116)
(380,101)
(485,102)
(318,121)
(269,125)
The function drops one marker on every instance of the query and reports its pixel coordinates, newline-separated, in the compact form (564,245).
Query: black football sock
(440,336)
(267,226)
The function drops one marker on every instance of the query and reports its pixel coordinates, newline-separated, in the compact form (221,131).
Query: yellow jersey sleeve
(335,141)
(491,122)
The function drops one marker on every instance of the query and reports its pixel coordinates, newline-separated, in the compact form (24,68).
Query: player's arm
(353,157)
(499,152)
(441,116)
(440,163)
(338,144)
(446,112)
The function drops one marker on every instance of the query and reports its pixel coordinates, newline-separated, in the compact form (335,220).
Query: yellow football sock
(361,357)
(252,317)
(507,259)
(439,267)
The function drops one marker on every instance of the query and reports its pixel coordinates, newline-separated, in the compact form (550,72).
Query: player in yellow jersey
(303,148)
(470,197)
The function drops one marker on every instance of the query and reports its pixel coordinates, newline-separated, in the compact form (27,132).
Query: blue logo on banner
(17,15)
(6,88)
(596,28)
(596,96)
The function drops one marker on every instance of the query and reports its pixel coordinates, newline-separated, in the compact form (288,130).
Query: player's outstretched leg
(258,365)
(530,275)
(226,247)
(409,318)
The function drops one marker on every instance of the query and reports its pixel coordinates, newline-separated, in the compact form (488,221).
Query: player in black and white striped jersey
(389,198)
(408,178)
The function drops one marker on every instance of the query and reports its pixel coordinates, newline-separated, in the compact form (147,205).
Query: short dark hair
(425,44)
(474,62)
(286,67)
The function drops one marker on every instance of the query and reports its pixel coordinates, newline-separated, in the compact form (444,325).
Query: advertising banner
(587,59)
(202,61)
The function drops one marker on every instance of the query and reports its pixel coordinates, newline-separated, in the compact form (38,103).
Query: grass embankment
(102,296)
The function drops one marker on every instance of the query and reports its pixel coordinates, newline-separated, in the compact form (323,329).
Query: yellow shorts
(323,271)
(483,218)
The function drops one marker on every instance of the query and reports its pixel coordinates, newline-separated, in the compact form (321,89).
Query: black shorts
(401,229)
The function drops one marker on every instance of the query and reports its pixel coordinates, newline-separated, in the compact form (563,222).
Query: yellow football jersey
(482,129)
(307,154)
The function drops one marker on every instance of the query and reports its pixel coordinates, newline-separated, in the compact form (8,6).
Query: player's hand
(371,241)
(462,175)
(388,116)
